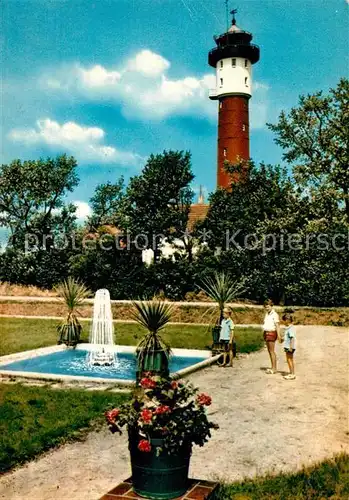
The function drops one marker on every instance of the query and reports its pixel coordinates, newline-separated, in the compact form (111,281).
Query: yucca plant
(221,288)
(73,294)
(152,351)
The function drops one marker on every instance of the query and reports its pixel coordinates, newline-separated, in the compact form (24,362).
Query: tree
(121,271)
(288,245)
(158,200)
(32,198)
(106,204)
(236,214)
(315,137)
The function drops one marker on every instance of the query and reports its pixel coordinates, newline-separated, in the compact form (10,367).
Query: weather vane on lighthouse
(233,12)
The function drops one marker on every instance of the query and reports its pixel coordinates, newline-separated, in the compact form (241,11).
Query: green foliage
(124,274)
(286,245)
(172,278)
(30,194)
(121,271)
(41,225)
(17,267)
(158,200)
(73,294)
(106,204)
(328,479)
(264,195)
(222,289)
(35,419)
(314,136)
(154,316)
(41,268)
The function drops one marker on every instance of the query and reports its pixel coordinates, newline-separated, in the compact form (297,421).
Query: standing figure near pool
(271,329)
(226,337)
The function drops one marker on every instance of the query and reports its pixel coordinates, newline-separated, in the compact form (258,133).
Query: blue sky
(113,81)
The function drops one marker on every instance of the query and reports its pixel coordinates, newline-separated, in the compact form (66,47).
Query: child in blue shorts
(226,337)
(289,344)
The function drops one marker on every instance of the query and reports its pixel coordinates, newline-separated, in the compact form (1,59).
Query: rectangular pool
(73,363)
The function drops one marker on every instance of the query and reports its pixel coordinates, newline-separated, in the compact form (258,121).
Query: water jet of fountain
(102,331)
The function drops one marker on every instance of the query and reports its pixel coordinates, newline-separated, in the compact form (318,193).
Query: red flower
(160,410)
(144,445)
(111,415)
(174,384)
(146,415)
(148,383)
(204,399)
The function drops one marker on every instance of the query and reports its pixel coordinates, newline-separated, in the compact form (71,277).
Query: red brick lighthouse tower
(233,58)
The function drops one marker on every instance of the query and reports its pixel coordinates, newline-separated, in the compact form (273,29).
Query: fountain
(102,331)
(96,361)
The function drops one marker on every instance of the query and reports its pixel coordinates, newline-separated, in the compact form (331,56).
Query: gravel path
(266,424)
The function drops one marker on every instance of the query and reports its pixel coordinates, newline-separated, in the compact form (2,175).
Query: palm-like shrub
(73,294)
(221,288)
(152,351)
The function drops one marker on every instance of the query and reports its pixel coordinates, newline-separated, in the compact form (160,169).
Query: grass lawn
(25,334)
(34,419)
(328,479)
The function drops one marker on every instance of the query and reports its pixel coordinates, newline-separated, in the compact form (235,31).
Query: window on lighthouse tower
(246,63)
(233,62)
(246,81)
(221,79)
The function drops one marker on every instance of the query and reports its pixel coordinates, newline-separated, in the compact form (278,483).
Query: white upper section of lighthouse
(233,58)
(233,77)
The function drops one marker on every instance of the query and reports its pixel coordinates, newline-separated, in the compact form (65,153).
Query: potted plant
(221,288)
(73,294)
(152,351)
(164,419)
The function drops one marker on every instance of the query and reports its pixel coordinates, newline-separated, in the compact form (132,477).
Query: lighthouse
(232,58)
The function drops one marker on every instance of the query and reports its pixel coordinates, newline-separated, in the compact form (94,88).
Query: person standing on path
(226,337)
(271,329)
(289,344)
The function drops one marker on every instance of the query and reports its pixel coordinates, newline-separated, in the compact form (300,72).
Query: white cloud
(148,63)
(144,90)
(97,76)
(83,209)
(52,132)
(83,142)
